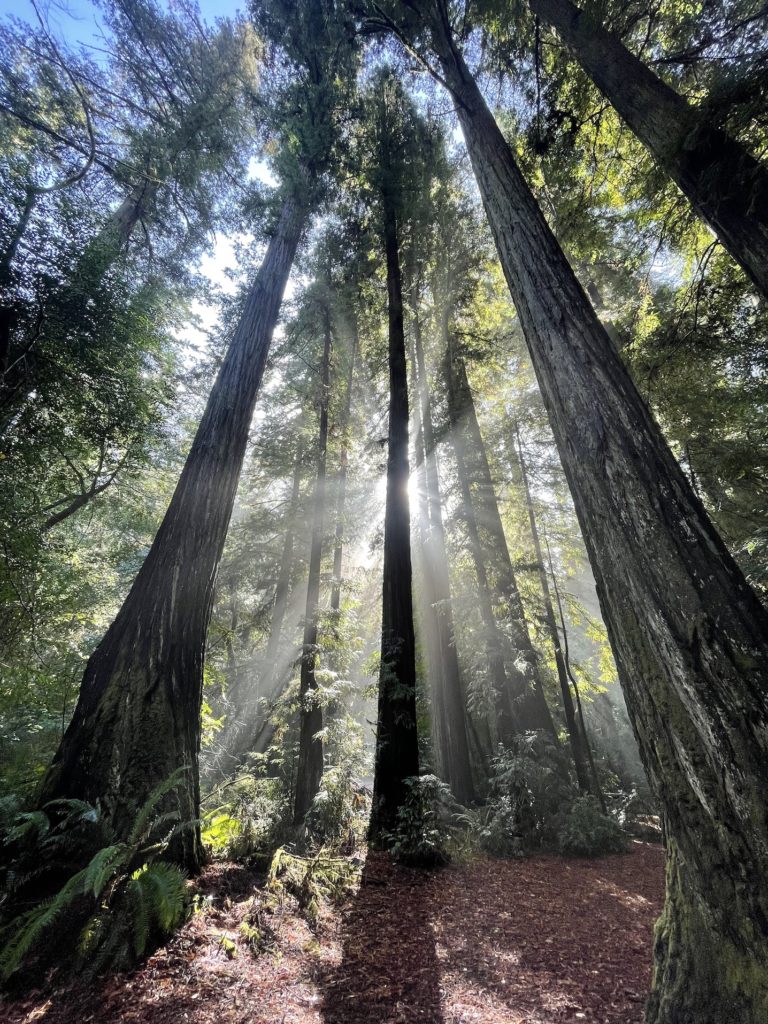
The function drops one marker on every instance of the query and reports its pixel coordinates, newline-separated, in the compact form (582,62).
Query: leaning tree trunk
(310,767)
(138,714)
(689,635)
(577,741)
(397,749)
(725,184)
(529,703)
(453,732)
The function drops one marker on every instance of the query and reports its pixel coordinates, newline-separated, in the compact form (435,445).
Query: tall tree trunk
(397,749)
(567,660)
(341,480)
(267,681)
(689,635)
(310,767)
(725,184)
(506,724)
(577,741)
(138,715)
(453,732)
(529,703)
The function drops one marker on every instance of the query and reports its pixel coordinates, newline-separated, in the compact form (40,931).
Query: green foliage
(127,897)
(422,835)
(587,832)
(252,822)
(529,793)
(338,817)
(313,881)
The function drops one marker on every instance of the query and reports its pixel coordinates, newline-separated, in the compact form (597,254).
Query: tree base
(705,972)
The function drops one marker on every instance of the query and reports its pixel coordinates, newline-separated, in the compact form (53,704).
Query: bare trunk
(529,703)
(397,749)
(506,724)
(138,715)
(452,734)
(341,482)
(310,767)
(725,184)
(577,741)
(689,635)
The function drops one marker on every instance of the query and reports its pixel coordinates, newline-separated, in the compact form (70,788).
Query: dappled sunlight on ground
(541,941)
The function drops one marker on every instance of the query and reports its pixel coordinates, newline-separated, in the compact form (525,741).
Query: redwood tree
(689,635)
(137,719)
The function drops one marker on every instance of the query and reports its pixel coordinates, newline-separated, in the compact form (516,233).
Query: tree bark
(310,767)
(506,724)
(452,734)
(725,184)
(689,635)
(138,714)
(397,750)
(577,742)
(530,707)
(341,480)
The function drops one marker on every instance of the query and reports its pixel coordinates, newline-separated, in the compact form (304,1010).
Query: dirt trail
(541,941)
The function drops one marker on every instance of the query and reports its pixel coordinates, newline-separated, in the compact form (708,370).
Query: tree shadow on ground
(389,972)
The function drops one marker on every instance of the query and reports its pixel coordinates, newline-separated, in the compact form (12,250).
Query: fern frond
(30,823)
(25,929)
(157,895)
(74,809)
(138,899)
(143,825)
(103,867)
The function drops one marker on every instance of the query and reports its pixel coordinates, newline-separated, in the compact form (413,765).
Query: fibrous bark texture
(689,635)
(138,714)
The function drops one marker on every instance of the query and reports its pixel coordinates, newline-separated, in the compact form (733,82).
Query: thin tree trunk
(577,741)
(397,749)
(310,768)
(138,715)
(453,733)
(689,635)
(268,680)
(506,724)
(598,792)
(341,482)
(725,184)
(530,704)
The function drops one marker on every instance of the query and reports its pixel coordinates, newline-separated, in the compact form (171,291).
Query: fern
(103,868)
(31,824)
(144,824)
(123,908)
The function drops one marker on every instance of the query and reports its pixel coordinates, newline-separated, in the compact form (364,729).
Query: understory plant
(422,835)
(587,832)
(124,899)
(312,880)
(529,794)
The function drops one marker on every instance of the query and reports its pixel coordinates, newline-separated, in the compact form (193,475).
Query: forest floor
(540,941)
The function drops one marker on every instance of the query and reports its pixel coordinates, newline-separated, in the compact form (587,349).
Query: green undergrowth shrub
(315,880)
(108,914)
(422,836)
(251,823)
(529,794)
(587,832)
